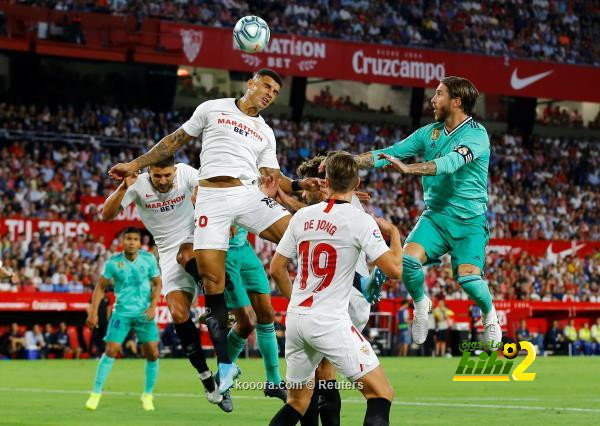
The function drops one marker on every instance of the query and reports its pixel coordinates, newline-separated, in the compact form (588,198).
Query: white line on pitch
(351,401)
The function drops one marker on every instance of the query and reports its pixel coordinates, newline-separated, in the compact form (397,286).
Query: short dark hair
(269,72)
(462,88)
(166,162)
(132,230)
(310,168)
(342,171)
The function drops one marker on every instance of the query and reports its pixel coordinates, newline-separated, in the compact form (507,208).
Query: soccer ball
(251,34)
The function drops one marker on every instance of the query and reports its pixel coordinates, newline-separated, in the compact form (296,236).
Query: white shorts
(310,338)
(359,309)
(219,208)
(173,275)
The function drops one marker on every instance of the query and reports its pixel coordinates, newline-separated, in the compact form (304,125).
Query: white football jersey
(327,238)
(362,268)
(168,216)
(233,143)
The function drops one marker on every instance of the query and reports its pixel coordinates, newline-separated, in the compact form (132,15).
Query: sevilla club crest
(192,43)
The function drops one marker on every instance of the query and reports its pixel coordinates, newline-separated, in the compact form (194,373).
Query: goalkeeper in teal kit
(457,154)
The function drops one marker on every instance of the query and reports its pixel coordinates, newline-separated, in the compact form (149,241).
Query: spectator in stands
(443,317)
(404,339)
(48,339)
(61,346)
(571,337)
(280,333)
(523,333)
(595,332)
(585,339)
(555,339)
(537,340)
(16,341)
(34,342)
(170,342)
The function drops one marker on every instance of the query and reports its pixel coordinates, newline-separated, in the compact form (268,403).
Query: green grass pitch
(565,391)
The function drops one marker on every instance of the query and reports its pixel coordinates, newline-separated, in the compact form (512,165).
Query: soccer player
(248,285)
(248,297)
(137,283)
(237,146)
(457,153)
(164,197)
(327,238)
(326,401)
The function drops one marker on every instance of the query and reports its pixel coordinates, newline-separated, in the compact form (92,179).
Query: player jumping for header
(457,155)
(237,146)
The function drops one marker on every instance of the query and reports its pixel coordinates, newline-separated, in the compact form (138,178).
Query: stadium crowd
(554,30)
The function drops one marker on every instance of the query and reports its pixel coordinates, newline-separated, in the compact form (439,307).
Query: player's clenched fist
(92,320)
(385,227)
(121,170)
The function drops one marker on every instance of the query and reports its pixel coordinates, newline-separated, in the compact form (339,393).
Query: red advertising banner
(105,231)
(344,60)
(551,250)
(14,227)
(92,205)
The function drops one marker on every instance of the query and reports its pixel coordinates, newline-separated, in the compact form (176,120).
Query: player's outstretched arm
(365,161)
(288,185)
(421,169)
(391,261)
(163,149)
(97,296)
(112,205)
(279,272)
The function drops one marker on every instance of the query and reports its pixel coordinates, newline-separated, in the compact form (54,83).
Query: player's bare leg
(105,364)
(378,392)
(469,278)
(274,232)
(211,267)
(296,406)
(187,259)
(413,259)
(150,350)
(267,343)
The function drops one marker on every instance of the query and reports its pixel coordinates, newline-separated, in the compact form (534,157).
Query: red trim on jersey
(330,204)
(307,303)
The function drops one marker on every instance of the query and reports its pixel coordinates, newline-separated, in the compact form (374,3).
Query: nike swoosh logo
(149,195)
(553,257)
(519,83)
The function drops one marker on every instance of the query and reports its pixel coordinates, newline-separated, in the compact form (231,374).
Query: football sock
(378,412)
(478,291)
(151,375)
(192,268)
(311,416)
(332,404)
(235,345)
(267,345)
(412,277)
(216,321)
(190,342)
(287,416)
(104,366)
